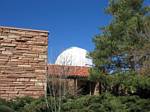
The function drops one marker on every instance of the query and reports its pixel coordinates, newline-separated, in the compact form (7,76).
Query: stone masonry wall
(23,62)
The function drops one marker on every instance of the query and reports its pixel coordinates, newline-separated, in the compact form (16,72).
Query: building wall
(23,62)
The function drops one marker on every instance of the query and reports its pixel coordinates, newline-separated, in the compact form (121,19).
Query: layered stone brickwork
(23,62)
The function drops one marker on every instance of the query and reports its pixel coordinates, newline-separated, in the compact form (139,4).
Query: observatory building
(74,56)
(72,67)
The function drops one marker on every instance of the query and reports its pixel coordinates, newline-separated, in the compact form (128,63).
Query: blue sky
(70,22)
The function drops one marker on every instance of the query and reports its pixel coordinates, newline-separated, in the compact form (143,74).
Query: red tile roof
(74,71)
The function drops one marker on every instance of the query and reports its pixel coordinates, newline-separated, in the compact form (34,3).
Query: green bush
(135,103)
(38,105)
(105,102)
(4,108)
(18,103)
(3,102)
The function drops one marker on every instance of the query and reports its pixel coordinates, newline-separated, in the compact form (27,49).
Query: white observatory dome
(74,56)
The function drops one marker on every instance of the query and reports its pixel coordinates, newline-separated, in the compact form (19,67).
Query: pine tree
(118,37)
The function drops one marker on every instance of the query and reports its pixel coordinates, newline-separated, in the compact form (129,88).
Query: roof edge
(24,29)
(67,65)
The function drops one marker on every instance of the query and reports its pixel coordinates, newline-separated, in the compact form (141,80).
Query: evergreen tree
(119,37)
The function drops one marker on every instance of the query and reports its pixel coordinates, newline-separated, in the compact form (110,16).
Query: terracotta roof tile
(78,71)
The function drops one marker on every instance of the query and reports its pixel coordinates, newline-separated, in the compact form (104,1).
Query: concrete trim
(24,29)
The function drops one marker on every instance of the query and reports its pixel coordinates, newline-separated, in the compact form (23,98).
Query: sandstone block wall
(23,62)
